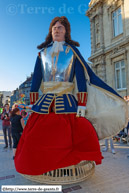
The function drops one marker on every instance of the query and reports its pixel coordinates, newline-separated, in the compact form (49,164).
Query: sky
(24,24)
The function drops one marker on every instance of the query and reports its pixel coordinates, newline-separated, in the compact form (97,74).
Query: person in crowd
(17,125)
(107,146)
(5,117)
(24,115)
(128,128)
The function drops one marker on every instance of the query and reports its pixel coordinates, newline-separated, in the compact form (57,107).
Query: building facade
(24,89)
(5,97)
(1,99)
(14,97)
(109,25)
(22,94)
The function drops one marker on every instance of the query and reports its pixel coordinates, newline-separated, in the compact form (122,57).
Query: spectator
(128,128)
(111,146)
(17,127)
(5,117)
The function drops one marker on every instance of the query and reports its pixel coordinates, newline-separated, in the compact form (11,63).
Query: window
(120,75)
(117,22)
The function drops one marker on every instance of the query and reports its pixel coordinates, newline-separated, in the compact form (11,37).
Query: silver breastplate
(57,67)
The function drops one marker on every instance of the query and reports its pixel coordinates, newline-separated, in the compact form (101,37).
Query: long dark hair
(64,21)
(14,111)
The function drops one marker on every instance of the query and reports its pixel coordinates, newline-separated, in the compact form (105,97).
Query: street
(112,176)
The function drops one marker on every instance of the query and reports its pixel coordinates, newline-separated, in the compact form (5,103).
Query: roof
(92,2)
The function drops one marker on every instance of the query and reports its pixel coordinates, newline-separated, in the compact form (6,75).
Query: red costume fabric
(56,141)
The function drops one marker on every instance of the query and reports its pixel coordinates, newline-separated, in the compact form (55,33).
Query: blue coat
(78,69)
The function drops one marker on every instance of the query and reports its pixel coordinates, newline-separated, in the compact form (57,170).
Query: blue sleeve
(37,76)
(80,76)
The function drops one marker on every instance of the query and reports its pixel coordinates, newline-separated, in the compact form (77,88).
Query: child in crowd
(24,115)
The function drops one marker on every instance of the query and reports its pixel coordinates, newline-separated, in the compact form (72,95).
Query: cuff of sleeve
(33,97)
(82,98)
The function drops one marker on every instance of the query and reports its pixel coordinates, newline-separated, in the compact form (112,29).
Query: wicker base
(67,175)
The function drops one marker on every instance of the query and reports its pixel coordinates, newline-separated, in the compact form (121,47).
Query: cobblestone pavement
(112,176)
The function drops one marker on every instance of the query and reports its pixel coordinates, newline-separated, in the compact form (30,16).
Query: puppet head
(63,21)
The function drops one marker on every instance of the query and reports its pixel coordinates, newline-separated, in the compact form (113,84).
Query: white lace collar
(56,47)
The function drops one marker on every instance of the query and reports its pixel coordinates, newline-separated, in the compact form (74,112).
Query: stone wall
(105,48)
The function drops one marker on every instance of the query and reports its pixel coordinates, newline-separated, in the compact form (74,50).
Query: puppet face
(58,32)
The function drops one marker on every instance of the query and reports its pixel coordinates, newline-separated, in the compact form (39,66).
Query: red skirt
(51,141)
